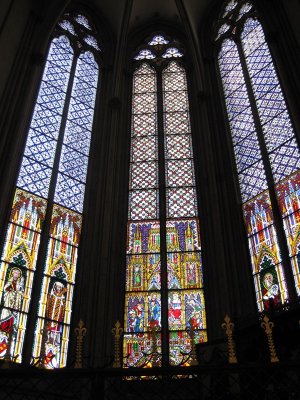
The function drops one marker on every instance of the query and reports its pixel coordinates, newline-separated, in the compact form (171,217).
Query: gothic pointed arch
(266,150)
(164,297)
(46,215)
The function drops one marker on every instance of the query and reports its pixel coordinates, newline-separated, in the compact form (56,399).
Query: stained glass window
(266,153)
(55,155)
(164,277)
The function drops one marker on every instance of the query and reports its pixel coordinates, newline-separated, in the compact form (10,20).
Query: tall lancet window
(266,153)
(43,234)
(164,285)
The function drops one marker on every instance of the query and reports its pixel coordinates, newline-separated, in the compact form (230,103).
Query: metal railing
(280,381)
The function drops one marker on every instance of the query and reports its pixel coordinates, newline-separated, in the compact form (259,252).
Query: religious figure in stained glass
(13,293)
(175,309)
(154,310)
(55,311)
(269,284)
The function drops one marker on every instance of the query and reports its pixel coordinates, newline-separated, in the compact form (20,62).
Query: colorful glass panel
(183,235)
(181,346)
(143,272)
(184,271)
(283,154)
(144,287)
(143,267)
(51,341)
(142,308)
(16,272)
(143,237)
(138,350)
(186,307)
(184,267)
(288,195)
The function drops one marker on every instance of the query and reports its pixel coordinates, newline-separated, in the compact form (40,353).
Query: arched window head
(157,48)
(266,153)
(43,234)
(164,304)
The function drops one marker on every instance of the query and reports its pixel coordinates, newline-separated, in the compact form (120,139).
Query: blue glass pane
(230,61)
(237,101)
(277,131)
(40,148)
(285,160)
(263,81)
(247,152)
(69,193)
(241,126)
(34,177)
(82,20)
(258,59)
(252,181)
(66,25)
(270,105)
(87,69)
(252,36)
(243,10)
(226,46)
(78,135)
(73,164)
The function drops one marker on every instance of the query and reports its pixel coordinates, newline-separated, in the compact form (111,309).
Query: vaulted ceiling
(135,13)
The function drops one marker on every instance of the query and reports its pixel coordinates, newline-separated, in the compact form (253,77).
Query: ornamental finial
(80,332)
(117,332)
(268,326)
(228,328)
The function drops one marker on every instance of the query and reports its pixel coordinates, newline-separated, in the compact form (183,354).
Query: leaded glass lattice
(273,134)
(145,266)
(60,270)
(61,127)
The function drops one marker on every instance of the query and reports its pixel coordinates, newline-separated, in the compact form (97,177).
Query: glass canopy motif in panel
(275,133)
(143,303)
(29,207)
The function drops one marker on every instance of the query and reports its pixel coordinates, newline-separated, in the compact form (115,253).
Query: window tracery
(266,151)
(50,191)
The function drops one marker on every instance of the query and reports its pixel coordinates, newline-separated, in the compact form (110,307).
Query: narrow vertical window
(266,152)
(164,286)
(50,191)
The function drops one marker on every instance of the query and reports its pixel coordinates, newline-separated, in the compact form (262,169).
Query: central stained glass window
(164,278)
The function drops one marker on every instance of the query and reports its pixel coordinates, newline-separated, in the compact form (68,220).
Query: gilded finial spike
(117,332)
(228,327)
(268,326)
(80,332)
